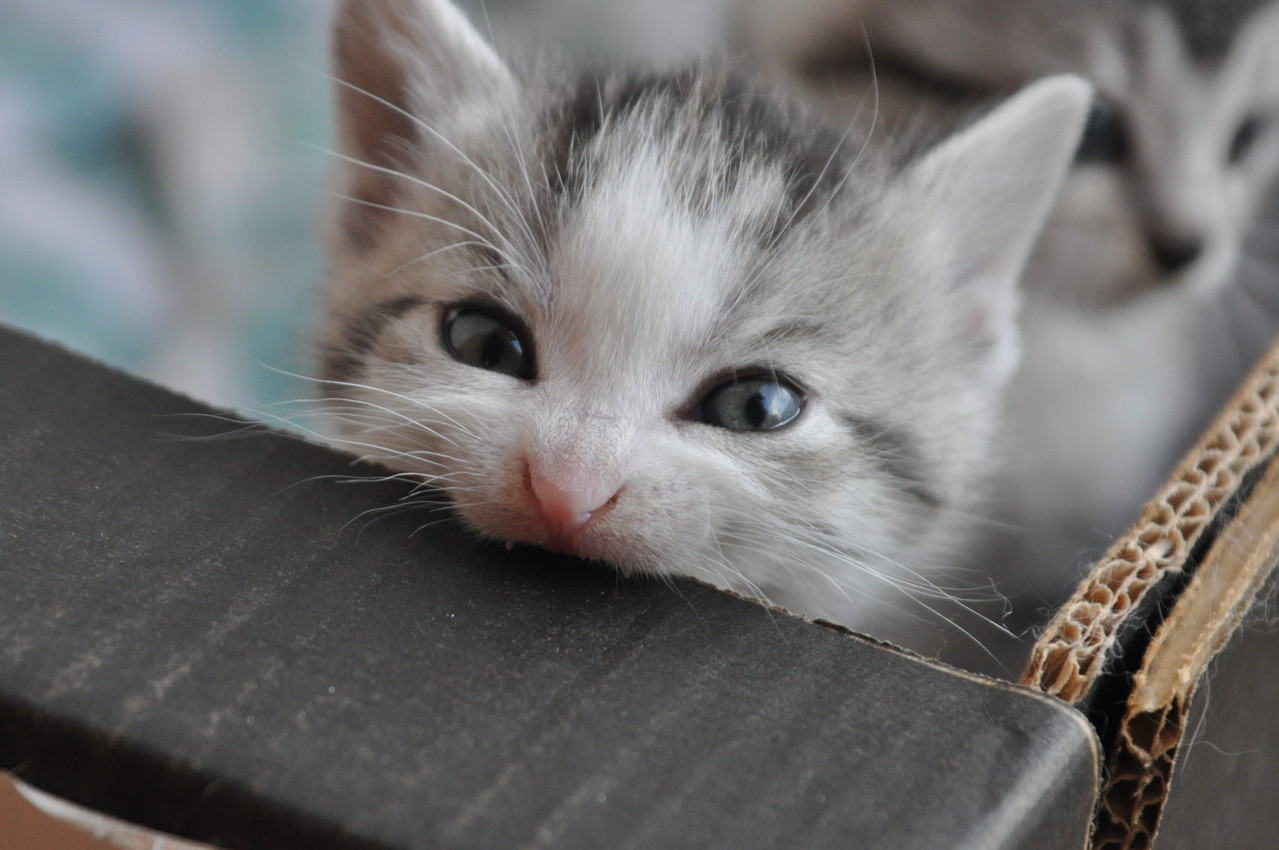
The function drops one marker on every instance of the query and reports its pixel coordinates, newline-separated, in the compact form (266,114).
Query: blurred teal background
(162,167)
(157,190)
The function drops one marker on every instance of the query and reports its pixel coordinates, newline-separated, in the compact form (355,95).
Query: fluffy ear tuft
(400,66)
(985,193)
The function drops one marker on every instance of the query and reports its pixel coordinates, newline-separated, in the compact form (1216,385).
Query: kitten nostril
(1174,253)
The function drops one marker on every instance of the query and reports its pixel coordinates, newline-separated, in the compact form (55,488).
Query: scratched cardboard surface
(194,636)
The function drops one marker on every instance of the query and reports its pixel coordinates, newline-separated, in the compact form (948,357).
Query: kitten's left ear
(401,67)
(985,193)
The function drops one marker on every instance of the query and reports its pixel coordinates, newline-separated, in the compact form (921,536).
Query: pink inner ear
(568,499)
(373,112)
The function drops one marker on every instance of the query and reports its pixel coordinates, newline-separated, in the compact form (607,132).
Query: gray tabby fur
(1116,375)
(654,235)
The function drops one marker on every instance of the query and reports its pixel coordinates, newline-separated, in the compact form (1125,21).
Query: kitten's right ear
(983,196)
(400,66)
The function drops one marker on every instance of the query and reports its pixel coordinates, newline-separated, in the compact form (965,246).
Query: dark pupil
(1245,137)
(1105,136)
(499,347)
(758,410)
(488,341)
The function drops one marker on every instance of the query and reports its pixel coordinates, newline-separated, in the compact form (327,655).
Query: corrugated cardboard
(1133,644)
(201,631)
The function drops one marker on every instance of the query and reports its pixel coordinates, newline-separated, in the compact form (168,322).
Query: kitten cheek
(1215,271)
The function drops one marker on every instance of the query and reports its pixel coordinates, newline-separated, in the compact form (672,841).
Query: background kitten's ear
(985,193)
(400,66)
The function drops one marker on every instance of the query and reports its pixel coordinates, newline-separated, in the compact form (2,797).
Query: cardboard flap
(1135,640)
(1206,614)
(1213,603)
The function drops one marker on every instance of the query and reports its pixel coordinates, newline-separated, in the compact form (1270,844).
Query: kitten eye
(1246,137)
(751,404)
(1105,136)
(487,339)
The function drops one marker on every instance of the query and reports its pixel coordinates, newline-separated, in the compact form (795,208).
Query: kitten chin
(672,322)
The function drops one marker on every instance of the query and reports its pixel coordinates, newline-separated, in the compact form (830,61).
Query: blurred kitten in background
(1129,342)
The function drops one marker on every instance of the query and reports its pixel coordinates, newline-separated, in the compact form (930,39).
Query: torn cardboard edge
(1134,641)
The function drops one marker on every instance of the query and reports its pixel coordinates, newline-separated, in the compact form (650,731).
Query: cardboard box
(206,631)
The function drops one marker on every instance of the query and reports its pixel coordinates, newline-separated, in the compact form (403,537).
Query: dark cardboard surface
(207,637)
(1225,786)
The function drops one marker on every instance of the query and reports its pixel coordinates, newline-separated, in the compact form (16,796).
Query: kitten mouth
(559,540)
(565,544)
(595,555)
(578,544)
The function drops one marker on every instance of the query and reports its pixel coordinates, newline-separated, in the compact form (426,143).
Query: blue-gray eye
(487,339)
(1105,137)
(757,403)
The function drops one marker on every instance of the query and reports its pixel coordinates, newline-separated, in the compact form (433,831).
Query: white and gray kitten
(1124,338)
(669,323)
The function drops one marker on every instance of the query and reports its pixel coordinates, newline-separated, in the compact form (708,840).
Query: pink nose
(567,506)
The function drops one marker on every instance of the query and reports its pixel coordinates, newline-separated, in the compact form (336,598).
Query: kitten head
(667,322)
(1181,145)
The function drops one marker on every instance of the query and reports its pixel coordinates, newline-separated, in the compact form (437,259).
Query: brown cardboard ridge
(1223,498)
(1068,658)
(1141,765)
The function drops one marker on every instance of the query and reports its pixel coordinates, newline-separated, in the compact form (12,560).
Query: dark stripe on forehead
(579,117)
(893,450)
(1209,27)
(341,359)
(749,125)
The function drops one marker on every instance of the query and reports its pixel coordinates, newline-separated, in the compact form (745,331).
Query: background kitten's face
(664,324)
(1181,148)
